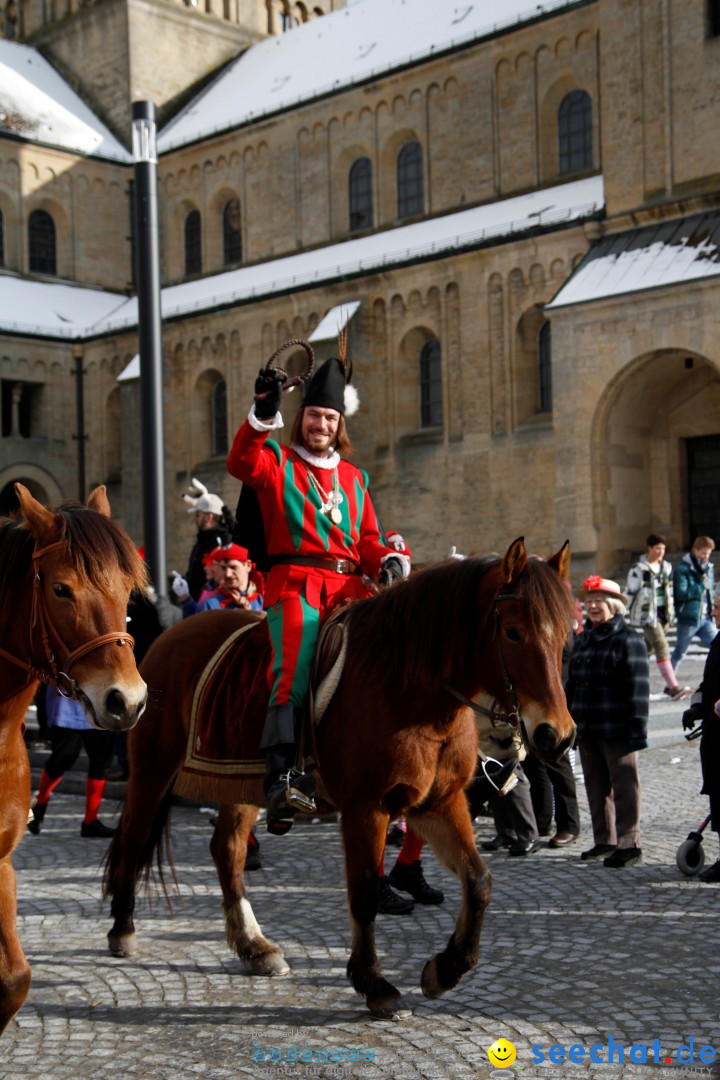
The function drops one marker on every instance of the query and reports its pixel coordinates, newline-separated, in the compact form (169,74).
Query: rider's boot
(287,788)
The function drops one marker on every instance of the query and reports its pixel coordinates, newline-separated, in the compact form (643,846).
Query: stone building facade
(500,395)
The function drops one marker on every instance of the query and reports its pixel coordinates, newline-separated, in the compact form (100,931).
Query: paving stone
(570,953)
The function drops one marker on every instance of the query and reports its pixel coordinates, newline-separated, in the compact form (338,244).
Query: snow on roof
(35,308)
(668,253)
(130,371)
(362,41)
(37,104)
(336,320)
(52,309)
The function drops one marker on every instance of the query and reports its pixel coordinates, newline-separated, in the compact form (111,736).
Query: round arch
(641,433)
(41,485)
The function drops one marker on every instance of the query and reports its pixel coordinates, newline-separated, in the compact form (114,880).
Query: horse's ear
(515,560)
(561,560)
(41,521)
(99,501)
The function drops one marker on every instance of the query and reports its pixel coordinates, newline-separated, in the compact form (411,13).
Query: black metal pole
(80,436)
(150,336)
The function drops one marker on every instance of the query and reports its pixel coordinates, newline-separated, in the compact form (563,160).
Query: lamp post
(78,372)
(150,337)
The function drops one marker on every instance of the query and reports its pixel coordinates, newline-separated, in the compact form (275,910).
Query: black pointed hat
(330,388)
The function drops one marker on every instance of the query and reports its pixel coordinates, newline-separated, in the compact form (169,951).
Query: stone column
(17,392)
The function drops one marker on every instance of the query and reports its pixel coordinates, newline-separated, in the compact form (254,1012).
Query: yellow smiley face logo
(501,1054)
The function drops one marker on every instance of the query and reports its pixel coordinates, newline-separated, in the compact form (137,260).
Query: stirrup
(295,797)
(501,774)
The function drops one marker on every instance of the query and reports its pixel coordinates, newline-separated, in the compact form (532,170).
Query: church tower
(119,51)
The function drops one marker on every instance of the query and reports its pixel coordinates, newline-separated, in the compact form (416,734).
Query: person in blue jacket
(693,589)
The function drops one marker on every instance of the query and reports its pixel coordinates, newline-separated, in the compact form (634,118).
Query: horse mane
(93,544)
(417,632)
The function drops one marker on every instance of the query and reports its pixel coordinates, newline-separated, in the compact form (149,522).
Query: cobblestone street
(571,953)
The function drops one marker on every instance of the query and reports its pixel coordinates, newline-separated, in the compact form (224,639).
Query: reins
(51,672)
(496,716)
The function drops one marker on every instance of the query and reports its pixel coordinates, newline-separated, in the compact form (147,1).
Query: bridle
(57,674)
(495,715)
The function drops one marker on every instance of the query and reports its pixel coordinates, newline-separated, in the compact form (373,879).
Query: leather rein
(496,716)
(57,674)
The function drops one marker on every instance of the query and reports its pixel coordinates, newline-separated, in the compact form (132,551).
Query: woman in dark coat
(608,693)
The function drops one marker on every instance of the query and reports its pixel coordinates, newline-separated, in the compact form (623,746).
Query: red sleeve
(250,460)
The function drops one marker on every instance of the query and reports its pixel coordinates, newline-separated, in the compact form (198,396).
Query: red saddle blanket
(222,761)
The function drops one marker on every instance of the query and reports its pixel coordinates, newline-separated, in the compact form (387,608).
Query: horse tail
(127,861)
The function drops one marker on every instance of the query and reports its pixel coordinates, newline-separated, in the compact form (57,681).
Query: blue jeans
(706,631)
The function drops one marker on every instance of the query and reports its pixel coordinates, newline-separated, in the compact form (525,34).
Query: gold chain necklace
(330,504)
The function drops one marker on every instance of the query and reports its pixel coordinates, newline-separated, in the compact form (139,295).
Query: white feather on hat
(351,400)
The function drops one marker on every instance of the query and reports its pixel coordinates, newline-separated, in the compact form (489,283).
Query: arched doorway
(650,472)
(39,484)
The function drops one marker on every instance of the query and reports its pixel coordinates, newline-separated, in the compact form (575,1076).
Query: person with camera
(650,608)
(322,538)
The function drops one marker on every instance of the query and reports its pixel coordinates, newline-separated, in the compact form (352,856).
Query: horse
(65,580)
(398,736)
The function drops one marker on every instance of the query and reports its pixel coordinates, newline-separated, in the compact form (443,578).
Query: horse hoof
(122,945)
(430,982)
(272,964)
(394,1009)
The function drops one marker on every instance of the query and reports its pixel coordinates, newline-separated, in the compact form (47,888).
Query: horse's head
(527,628)
(85,567)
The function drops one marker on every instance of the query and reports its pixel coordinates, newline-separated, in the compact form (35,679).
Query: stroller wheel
(690,857)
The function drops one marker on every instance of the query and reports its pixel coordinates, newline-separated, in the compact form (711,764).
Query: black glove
(392,571)
(691,717)
(268,393)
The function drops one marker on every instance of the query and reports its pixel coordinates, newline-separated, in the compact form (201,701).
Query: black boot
(392,903)
(287,789)
(410,879)
(38,813)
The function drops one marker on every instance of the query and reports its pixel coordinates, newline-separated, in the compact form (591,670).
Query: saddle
(222,759)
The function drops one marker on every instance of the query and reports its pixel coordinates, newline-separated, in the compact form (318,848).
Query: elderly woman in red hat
(608,694)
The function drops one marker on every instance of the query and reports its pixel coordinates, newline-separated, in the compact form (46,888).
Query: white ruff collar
(330,462)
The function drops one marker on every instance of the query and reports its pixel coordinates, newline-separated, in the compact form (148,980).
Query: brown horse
(65,580)
(394,739)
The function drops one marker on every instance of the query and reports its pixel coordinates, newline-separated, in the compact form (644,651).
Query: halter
(40,616)
(496,716)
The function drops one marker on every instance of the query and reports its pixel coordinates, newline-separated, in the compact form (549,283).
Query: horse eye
(512,633)
(64,592)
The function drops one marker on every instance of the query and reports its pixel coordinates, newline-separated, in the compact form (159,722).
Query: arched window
(431,406)
(11,21)
(218,419)
(232,238)
(193,243)
(544,369)
(41,243)
(360,185)
(410,197)
(2,240)
(575,137)
(713,18)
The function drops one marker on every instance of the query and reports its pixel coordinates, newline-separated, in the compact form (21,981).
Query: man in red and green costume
(322,536)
